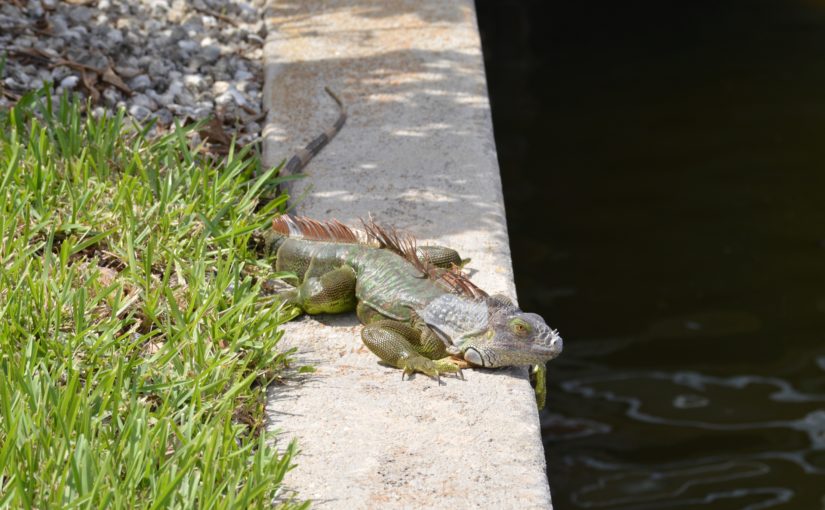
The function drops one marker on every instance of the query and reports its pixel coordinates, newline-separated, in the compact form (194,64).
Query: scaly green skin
(412,322)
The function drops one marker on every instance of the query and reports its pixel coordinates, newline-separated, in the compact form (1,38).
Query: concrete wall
(417,153)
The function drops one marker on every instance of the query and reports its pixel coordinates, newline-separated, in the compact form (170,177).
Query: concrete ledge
(418,153)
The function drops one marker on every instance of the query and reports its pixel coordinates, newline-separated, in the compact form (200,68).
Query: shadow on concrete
(417,152)
(395,158)
(450,12)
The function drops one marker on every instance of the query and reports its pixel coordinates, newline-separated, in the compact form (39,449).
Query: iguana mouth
(535,354)
(545,352)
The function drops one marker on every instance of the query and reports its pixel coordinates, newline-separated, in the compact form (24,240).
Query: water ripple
(681,487)
(741,477)
(730,414)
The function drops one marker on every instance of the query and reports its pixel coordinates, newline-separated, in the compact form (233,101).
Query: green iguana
(421,314)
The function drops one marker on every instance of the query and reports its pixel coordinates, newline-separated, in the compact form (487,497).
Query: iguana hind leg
(440,256)
(331,292)
(408,348)
(367,314)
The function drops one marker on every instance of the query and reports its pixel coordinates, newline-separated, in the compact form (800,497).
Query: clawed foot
(277,286)
(538,377)
(433,368)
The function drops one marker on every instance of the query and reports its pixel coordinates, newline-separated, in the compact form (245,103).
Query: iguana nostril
(556,342)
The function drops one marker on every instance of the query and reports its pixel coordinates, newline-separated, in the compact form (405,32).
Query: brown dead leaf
(213,132)
(77,66)
(216,14)
(111,77)
(42,26)
(8,94)
(34,54)
(152,347)
(111,260)
(248,109)
(107,275)
(90,81)
(256,117)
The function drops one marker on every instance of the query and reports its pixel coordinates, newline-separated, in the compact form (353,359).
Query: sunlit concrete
(417,153)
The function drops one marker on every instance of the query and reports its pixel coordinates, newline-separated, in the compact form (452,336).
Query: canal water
(664,174)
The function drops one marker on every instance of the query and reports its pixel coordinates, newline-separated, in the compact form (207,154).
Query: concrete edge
(418,153)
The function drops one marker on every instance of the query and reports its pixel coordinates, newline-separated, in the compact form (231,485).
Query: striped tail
(298,161)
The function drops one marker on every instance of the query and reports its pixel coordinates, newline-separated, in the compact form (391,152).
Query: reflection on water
(680,486)
(724,484)
(707,324)
(687,399)
(664,174)
(676,409)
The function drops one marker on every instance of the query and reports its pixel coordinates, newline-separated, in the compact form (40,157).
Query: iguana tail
(301,158)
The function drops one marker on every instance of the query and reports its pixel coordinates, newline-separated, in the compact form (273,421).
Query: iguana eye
(520,327)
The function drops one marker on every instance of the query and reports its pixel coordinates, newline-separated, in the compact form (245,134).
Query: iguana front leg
(408,348)
(538,376)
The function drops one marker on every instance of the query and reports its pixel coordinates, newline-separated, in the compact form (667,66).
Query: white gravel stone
(140,82)
(194,81)
(211,53)
(158,69)
(188,45)
(127,72)
(255,39)
(220,86)
(69,82)
(145,101)
(168,53)
(139,112)
(230,98)
(115,36)
(164,116)
(242,75)
(111,96)
(201,112)
(58,24)
(80,14)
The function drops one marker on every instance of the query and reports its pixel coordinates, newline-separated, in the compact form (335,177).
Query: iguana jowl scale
(420,312)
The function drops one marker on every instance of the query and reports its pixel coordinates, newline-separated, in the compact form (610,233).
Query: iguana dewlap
(420,313)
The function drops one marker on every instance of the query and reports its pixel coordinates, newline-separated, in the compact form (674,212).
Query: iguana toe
(450,365)
(420,364)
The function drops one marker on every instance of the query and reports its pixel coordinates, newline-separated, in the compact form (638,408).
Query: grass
(135,341)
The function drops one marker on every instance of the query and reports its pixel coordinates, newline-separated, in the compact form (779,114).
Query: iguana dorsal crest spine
(376,236)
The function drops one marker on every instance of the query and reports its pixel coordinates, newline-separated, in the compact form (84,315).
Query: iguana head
(492,332)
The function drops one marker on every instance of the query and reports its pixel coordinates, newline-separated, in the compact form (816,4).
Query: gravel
(162,60)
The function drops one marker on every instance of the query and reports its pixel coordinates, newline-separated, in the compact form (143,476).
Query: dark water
(664,173)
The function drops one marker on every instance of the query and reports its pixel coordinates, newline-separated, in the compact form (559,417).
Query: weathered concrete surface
(417,153)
